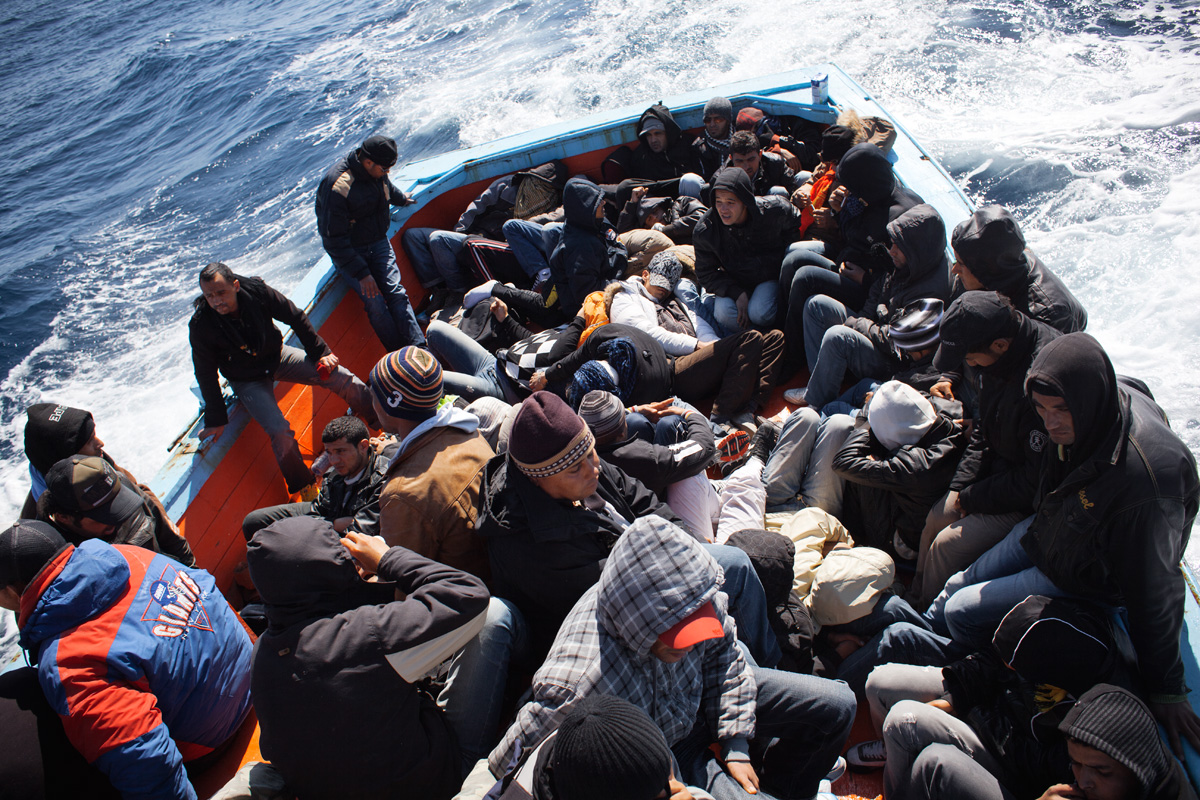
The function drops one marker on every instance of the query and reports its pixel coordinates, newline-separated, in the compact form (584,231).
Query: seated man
(740,244)
(648,302)
(990,254)
(336,675)
(655,630)
(353,209)
(674,217)
(143,659)
(87,498)
(349,494)
(1114,508)
(432,482)
(769,173)
(711,148)
(233,333)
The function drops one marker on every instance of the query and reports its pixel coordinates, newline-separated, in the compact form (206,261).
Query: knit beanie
(25,548)
(547,436)
(836,140)
(606,748)
(54,431)
(380,149)
(591,376)
(1119,725)
(899,415)
(719,107)
(604,413)
(408,383)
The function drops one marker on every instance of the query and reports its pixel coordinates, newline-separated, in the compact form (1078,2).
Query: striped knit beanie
(607,747)
(547,436)
(1119,725)
(604,413)
(408,383)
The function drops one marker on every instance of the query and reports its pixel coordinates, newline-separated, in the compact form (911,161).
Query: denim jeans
(389,312)
(470,371)
(842,349)
(801,464)
(747,603)
(801,725)
(532,244)
(260,518)
(851,400)
(975,600)
(473,698)
(433,254)
(258,397)
(805,274)
(701,304)
(899,643)
(761,309)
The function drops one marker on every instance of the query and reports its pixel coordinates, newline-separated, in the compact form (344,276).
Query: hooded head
(656,117)
(582,200)
(735,179)
(920,235)
(867,174)
(54,432)
(655,577)
(1076,369)
(836,141)
(899,415)
(990,244)
(1060,642)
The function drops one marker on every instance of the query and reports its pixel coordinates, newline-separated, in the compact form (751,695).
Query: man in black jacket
(353,215)
(1116,499)
(232,332)
(768,172)
(993,487)
(349,494)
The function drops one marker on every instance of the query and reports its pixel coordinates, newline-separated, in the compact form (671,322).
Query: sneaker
(745,421)
(733,446)
(903,551)
(837,771)
(539,282)
(477,295)
(763,441)
(795,397)
(435,298)
(866,756)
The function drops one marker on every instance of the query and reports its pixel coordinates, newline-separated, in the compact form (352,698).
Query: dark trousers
(260,518)
(741,370)
(803,275)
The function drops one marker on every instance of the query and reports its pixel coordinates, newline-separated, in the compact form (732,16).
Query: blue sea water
(145,139)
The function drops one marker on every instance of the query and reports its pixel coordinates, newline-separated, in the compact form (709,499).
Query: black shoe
(764,440)
(434,300)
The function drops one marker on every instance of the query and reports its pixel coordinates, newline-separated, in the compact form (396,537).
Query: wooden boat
(209,487)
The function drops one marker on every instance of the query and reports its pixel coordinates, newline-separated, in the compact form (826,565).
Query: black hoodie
(673,161)
(337,717)
(867,175)
(1115,526)
(731,259)
(589,255)
(991,245)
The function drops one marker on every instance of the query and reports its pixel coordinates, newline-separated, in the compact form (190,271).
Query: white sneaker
(866,756)
(477,295)
(795,397)
(838,770)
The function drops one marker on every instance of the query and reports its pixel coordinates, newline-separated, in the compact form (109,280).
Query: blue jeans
(851,400)
(700,303)
(761,309)
(470,371)
(389,312)
(841,349)
(433,254)
(975,600)
(801,463)
(532,244)
(258,397)
(906,641)
(801,725)
(747,603)
(473,698)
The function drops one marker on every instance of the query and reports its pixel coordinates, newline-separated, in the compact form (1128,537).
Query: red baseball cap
(699,626)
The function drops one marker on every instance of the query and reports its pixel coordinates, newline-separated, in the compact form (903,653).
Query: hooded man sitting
(655,630)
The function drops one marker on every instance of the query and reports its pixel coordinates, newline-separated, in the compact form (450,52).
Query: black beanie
(380,149)
(54,432)
(835,142)
(25,548)
(606,748)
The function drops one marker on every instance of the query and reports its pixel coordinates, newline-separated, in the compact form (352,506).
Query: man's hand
(341,523)
(744,774)
(942,705)
(1179,720)
(538,382)
(366,550)
(499,309)
(743,309)
(1062,791)
(638,193)
(370,289)
(213,432)
(678,790)
(701,345)
(942,389)
(409,200)
(837,197)
(954,505)
(823,218)
(656,410)
(852,271)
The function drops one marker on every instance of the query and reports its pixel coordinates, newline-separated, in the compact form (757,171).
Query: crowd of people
(551,575)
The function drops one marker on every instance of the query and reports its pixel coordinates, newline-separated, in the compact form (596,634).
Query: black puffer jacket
(1116,507)
(999,472)
(772,171)
(731,259)
(589,255)
(245,348)
(867,175)
(991,245)
(657,465)
(672,162)
(678,216)
(354,210)
(656,370)
(545,553)
(888,491)
(337,718)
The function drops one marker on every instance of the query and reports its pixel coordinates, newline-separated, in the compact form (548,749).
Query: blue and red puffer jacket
(143,659)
